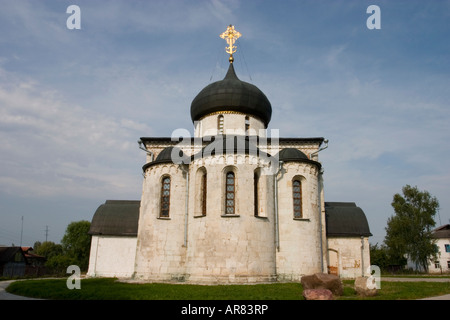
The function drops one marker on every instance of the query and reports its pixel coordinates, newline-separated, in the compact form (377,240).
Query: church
(235,203)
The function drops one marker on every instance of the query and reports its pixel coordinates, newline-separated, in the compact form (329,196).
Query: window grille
(230,193)
(165,197)
(255,192)
(297,197)
(204,194)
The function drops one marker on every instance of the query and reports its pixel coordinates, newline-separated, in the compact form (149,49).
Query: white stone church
(231,204)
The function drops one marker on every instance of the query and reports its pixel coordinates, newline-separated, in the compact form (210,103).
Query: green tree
(48,249)
(408,232)
(76,243)
(379,256)
(58,264)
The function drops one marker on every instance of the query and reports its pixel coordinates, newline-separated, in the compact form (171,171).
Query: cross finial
(230,35)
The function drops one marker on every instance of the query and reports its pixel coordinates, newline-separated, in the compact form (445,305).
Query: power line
(8,232)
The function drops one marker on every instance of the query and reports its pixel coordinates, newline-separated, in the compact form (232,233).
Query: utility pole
(46,233)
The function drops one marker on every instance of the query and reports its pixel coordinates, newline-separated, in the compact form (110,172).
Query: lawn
(400,290)
(110,289)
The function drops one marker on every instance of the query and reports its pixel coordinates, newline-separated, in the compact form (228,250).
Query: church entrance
(333,262)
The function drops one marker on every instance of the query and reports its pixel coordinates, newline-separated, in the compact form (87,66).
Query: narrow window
(247,125)
(165,197)
(220,124)
(447,248)
(203,191)
(230,193)
(255,192)
(297,195)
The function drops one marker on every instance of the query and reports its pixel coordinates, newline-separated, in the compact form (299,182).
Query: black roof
(230,144)
(442,232)
(345,219)
(291,154)
(116,217)
(207,139)
(231,94)
(8,253)
(121,218)
(295,155)
(169,155)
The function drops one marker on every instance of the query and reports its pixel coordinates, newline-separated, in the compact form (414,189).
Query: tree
(378,256)
(408,232)
(48,249)
(77,242)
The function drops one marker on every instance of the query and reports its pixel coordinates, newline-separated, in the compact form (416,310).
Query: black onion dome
(169,155)
(166,154)
(295,155)
(231,94)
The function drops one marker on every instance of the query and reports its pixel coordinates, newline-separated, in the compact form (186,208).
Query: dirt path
(8,296)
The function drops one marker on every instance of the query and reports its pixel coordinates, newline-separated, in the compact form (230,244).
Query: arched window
(247,125)
(297,197)
(203,193)
(165,197)
(230,193)
(256,193)
(220,124)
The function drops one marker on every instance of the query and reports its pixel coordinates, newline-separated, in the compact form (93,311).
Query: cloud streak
(55,147)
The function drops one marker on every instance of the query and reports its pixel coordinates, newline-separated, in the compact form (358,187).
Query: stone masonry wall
(103,260)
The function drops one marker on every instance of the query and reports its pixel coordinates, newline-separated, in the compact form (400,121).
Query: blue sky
(73,103)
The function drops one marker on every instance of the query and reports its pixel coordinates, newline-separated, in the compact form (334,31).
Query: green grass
(110,289)
(399,290)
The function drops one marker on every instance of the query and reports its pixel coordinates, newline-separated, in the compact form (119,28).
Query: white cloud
(55,147)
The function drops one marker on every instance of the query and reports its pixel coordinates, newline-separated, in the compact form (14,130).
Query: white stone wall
(160,246)
(344,255)
(219,248)
(235,248)
(242,248)
(104,261)
(234,123)
(231,249)
(299,239)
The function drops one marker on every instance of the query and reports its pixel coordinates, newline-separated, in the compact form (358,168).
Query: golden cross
(230,35)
